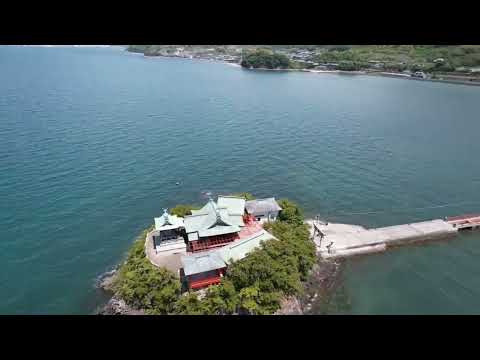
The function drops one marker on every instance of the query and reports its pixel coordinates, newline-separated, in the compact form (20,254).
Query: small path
(169,259)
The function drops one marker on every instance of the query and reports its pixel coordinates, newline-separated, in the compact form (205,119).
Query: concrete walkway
(343,240)
(170,258)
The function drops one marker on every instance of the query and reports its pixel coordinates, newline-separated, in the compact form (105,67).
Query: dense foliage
(145,286)
(403,57)
(265,59)
(290,213)
(350,66)
(245,195)
(183,210)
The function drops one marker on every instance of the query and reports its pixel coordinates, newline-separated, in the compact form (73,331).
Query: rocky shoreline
(117,306)
(318,288)
(320,285)
(114,306)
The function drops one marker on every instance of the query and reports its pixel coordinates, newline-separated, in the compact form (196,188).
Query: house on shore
(419,74)
(263,209)
(168,233)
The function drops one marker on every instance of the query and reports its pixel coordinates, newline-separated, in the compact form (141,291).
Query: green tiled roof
(223,217)
(167,221)
(235,205)
(239,249)
(218,230)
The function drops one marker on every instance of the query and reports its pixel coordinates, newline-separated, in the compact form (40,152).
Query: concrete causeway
(343,240)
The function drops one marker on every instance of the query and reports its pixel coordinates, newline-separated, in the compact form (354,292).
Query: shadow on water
(434,277)
(325,290)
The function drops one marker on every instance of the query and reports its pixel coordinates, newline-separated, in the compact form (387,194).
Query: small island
(238,255)
(241,255)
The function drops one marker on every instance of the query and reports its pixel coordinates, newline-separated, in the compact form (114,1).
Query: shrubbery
(349,65)
(183,210)
(144,286)
(290,213)
(265,59)
(245,195)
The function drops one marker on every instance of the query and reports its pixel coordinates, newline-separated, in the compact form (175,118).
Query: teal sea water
(92,142)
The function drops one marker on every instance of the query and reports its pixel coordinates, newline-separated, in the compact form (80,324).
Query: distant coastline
(338,72)
(81,46)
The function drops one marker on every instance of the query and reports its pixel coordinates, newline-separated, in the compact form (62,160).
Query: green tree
(254,301)
(296,238)
(347,65)
(272,267)
(443,67)
(189,304)
(290,213)
(249,299)
(221,299)
(144,286)
(245,195)
(183,210)
(263,58)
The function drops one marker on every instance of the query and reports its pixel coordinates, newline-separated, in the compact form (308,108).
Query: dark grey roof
(262,206)
(202,262)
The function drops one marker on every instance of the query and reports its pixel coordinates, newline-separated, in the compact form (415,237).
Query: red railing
(249,219)
(214,241)
(198,284)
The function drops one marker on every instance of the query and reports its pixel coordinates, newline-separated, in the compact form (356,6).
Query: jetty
(342,240)
(470,221)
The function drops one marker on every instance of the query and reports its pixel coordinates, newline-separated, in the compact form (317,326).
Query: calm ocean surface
(93,140)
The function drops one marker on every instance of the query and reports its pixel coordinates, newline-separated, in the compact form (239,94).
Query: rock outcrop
(290,306)
(115,306)
(119,307)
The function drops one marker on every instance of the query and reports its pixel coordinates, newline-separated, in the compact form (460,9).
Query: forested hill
(429,58)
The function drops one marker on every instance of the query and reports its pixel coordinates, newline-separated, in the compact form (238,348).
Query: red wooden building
(216,224)
(203,269)
(217,233)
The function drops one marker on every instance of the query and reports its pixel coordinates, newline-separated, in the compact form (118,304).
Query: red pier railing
(469,221)
(198,284)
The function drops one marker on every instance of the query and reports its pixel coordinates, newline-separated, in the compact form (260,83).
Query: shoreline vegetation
(281,277)
(455,64)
